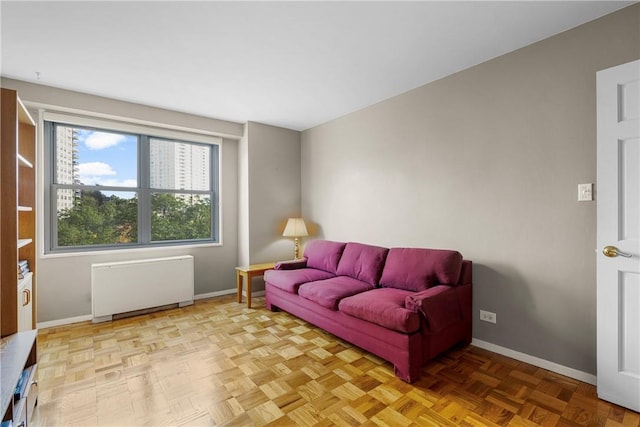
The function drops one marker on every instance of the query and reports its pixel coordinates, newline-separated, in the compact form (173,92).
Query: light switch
(585,192)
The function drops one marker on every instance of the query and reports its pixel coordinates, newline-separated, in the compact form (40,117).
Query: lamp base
(296,248)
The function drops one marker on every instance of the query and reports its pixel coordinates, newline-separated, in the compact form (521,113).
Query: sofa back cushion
(362,262)
(416,269)
(323,254)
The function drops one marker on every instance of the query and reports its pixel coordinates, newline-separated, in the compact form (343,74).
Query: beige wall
(487,162)
(275,189)
(270,192)
(244,255)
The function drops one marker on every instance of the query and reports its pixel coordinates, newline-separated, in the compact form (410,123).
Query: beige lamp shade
(295,228)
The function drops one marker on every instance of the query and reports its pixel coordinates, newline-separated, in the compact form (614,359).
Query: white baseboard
(536,361)
(61,322)
(78,319)
(227,292)
(255,294)
(214,294)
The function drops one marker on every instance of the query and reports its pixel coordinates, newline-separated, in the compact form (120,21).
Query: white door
(618,261)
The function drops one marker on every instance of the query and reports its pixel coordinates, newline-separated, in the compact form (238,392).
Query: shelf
(23,114)
(24,242)
(17,352)
(24,162)
(25,209)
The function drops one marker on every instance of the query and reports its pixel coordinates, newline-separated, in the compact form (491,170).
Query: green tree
(98,219)
(180,217)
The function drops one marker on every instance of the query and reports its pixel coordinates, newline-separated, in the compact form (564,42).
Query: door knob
(612,251)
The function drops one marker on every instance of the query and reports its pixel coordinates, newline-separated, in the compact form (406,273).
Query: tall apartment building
(66,147)
(179,166)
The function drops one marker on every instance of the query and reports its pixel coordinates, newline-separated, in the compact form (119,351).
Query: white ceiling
(290,64)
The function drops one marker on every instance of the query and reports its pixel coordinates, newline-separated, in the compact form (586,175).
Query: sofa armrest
(438,307)
(466,272)
(291,265)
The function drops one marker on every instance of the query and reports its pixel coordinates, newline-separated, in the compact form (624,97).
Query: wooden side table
(247,273)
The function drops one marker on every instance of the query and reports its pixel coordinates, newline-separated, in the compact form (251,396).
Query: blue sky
(106,158)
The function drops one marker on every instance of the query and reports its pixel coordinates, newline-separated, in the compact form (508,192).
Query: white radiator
(120,287)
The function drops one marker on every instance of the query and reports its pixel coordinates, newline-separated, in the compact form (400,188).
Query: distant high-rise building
(179,166)
(66,172)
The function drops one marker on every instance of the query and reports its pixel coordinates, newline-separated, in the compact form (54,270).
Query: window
(113,187)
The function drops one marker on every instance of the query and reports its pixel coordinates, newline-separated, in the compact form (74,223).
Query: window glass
(93,157)
(109,189)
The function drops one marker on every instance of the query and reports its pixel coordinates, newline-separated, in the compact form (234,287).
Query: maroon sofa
(405,305)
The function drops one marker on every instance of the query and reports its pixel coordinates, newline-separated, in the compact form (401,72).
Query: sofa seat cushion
(323,254)
(384,307)
(362,262)
(415,269)
(290,280)
(329,292)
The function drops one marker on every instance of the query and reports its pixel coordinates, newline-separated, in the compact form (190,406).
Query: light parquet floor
(219,363)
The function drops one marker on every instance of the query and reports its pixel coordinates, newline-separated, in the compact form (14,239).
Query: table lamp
(295,228)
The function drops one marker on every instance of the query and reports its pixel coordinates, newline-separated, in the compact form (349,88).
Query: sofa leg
(411,375)
(467,339)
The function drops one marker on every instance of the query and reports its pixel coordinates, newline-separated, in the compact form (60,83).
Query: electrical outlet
(585,192)
(487,316)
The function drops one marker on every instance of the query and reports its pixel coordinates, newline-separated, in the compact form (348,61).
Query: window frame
(144,190)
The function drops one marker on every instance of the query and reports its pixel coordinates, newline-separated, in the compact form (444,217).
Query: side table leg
(249,290)
(239,284)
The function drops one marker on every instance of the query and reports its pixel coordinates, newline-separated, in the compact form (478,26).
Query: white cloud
(100,173)
(95,169)
(102,140)
(118,183)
